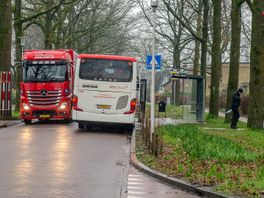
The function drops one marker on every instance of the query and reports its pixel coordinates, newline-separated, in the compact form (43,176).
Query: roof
(108,57)
(45,54)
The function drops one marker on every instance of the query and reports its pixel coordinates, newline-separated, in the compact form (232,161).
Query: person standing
(234,106)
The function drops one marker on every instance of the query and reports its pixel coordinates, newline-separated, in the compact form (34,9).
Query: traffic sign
(174,73)
(157,62)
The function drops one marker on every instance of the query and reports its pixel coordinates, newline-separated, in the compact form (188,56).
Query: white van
(105,90)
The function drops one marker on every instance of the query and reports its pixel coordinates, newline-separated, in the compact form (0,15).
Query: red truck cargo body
(47,86)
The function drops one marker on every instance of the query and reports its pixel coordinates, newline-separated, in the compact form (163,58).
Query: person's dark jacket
(235,100)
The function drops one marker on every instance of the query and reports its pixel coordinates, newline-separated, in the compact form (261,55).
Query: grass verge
(15,115)
(211,154)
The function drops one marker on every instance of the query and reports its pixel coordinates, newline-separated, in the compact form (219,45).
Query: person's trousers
(235,117)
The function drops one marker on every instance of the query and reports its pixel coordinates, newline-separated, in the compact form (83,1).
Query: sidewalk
(7,123)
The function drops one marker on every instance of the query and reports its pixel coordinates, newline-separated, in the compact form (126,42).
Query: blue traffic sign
(157,62)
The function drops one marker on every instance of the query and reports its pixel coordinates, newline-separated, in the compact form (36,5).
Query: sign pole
(154,5)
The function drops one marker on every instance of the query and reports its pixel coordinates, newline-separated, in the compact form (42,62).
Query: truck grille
(44,97)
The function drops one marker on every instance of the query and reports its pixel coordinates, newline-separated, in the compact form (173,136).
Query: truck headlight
(63,106)
(25,106)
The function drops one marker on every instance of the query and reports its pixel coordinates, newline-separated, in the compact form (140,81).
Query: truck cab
(47,86)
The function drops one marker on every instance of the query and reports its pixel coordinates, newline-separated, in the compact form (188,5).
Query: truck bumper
(45,113)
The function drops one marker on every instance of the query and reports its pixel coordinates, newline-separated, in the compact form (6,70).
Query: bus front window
(106,70)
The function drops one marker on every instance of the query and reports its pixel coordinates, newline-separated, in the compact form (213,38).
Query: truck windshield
(44,73)
(106,70)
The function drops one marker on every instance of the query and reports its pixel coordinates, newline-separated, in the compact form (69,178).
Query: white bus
(105,90)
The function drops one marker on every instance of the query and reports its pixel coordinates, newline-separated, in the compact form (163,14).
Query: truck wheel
(81,125)
(67,121)
(28,121)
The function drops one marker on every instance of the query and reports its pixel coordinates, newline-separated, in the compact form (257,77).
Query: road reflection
(25,139)
(24,167)
(61,149)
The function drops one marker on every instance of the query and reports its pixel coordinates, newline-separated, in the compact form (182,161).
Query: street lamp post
(154,5)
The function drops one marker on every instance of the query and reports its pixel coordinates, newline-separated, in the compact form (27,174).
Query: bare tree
(26,14)
(256,100)
(216,58)
(234,52)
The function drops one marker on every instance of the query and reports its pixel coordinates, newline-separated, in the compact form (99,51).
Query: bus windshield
(44,73)
(106,70)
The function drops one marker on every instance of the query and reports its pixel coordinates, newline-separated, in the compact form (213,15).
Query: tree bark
(204,39)
(18,34)
(48,24)
(197,43)
(5,34)
(196,56)
(256,84)
(216,59)
(234,53)
(176,65)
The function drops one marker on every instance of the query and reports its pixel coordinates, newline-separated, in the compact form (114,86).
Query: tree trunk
(197,42)
(196,57)
(18,35)
(5,34)
(216,59)
(204,46)
(48,34)
(59,31)
(204,39)
(71,27)
(256,84)
(234,54)
(176,65)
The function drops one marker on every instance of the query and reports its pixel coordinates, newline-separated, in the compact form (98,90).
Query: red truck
(47,86)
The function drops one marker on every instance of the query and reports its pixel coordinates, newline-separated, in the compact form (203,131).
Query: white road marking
(135,188)
(135,193)
(135,183)
(131,175)
(134,179)
(129,196)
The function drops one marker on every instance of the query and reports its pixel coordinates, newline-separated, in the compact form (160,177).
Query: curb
(199,190)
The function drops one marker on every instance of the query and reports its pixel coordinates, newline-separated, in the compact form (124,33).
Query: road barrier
(5,91)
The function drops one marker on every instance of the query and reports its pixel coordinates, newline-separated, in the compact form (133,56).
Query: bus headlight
(63,106)
(25,106)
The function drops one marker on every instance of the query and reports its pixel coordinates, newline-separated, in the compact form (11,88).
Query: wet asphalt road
(54,160)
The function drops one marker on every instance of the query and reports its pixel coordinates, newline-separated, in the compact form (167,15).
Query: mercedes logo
(43,92)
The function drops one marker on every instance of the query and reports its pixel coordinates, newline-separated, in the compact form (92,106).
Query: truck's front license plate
(44,116)
(103,106)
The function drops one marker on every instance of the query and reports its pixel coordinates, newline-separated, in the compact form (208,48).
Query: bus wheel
(81,125)
(129,128)
(27,121)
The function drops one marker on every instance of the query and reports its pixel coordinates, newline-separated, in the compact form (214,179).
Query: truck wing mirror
(66,76)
